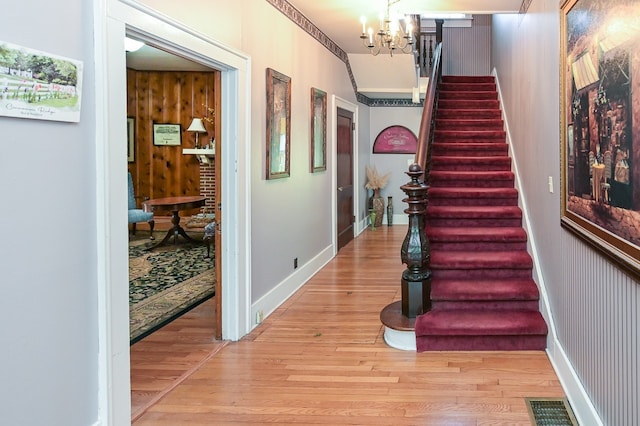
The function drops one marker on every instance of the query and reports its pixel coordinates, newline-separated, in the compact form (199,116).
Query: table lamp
(197,126)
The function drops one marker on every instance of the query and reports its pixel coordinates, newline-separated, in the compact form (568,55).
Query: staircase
(483,295)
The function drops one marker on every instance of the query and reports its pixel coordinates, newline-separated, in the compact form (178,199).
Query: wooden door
(345,217)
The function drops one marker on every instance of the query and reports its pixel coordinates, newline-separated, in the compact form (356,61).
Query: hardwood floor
(321,359)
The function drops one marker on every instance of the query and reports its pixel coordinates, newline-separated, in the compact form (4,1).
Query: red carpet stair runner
(484,297)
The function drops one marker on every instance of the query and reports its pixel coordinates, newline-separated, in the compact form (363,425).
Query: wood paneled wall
(169,97)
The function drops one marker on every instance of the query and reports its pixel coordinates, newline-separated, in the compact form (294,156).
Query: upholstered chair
(137,215)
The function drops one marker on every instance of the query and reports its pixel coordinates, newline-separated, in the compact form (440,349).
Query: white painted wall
(594,345)
(49,304)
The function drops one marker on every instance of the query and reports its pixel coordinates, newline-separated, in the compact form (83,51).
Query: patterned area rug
(165,283)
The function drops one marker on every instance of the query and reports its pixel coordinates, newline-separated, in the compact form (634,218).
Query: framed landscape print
(278,142)
(600,140)
(318,130)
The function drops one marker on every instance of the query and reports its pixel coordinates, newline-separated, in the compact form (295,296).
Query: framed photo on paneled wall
(318,130)
(600,140)
(278,142)
(167,134)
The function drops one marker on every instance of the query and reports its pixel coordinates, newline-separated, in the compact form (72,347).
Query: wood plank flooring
(321,359)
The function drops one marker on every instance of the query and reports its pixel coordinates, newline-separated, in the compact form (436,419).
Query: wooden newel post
(415,252)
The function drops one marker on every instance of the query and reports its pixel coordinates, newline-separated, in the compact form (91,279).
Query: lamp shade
(197,126)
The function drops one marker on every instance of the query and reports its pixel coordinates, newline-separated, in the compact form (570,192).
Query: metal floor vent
(550,412)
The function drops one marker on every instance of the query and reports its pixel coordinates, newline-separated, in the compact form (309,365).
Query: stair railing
(416,251)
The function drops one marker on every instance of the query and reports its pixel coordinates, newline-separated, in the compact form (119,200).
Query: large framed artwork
(278,124)
(600,139)
(318,130)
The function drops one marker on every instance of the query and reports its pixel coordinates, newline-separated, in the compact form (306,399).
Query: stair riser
(461,183)
(480,274)
(470,149)
(469,139)
(478,167)
(468,96)
(477,246)
(470,152)
(488,222)
(468,104)
(480,124)
(468,87)
(484,136)
(468,113)
(468,79)
(512,201)
(495,305)
(481,343)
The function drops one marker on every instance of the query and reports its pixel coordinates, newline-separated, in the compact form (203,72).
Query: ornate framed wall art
(395,140)
(600,95)
(278,142)
(318,130)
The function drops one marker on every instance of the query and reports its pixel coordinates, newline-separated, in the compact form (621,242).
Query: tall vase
(378,207)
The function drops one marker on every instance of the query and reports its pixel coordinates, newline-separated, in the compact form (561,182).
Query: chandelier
(390,35)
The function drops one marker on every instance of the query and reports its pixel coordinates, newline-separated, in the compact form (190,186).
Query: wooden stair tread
(476,322)
(484,290)
(476,234)
(518,259)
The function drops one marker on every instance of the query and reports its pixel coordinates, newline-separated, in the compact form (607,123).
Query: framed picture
(278,124)
(39,85)
(167,134)
(600,141)
(395,140)
(131,139)
(318,130)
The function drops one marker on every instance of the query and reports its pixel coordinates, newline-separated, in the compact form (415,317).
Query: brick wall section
(208,186)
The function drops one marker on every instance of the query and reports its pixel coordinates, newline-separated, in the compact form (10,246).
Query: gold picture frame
(600,184)
(318,130)
(278,143)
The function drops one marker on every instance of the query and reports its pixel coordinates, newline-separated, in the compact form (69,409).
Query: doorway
(165,88)
(113,366)
(344,177)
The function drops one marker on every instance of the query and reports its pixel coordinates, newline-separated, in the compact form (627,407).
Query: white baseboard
(274,298)
(583,408)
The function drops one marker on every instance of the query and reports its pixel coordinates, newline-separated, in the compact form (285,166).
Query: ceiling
(340,21)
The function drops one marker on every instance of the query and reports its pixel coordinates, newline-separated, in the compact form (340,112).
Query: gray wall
(594,304)
(467,51)
(49,306)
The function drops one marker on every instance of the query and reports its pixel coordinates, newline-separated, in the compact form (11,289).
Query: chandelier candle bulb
(393,35)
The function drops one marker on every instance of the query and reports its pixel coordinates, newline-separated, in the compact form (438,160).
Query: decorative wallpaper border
(525,6)
(284,7)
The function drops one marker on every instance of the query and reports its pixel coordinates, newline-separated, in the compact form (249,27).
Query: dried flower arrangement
(375,181)
(211,112)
